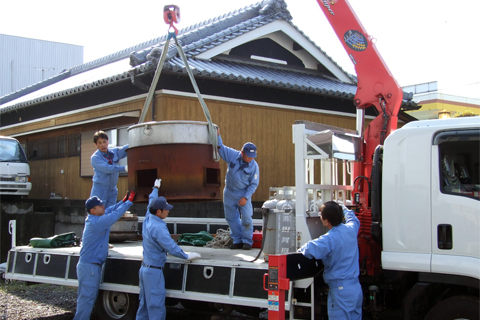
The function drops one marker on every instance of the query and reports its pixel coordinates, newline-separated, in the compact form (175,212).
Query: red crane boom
(376,87)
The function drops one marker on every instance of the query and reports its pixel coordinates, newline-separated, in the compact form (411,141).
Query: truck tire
(116,305)
(460,307)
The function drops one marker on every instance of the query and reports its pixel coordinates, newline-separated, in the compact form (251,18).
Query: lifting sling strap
(212,129)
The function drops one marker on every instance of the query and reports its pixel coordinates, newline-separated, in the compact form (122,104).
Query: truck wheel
(116,305)
(461,307)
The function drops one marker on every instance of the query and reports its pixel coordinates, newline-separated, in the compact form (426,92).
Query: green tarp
(61,240)
(195,239)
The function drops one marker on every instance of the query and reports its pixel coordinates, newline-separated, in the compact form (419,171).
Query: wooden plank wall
(47,178)
(269,128)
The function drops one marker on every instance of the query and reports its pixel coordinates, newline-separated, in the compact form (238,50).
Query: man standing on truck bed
(106,169)
(338,250)
(95,249)
(156,243)
(241,181)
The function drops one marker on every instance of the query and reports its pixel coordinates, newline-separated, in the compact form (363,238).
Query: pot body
(178,152)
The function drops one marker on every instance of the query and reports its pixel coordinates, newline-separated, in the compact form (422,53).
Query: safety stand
(279,283)
(294,302)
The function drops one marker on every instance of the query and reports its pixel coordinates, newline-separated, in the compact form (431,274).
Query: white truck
(14,169)
(429,245)
(415,191)
(420,247)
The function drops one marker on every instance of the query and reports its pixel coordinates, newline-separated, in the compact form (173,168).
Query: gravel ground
(44,301)
(41,301)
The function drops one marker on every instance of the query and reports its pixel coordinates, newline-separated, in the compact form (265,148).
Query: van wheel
(461,307)
(116,305)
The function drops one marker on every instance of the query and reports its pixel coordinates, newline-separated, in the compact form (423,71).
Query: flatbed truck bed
(220,275)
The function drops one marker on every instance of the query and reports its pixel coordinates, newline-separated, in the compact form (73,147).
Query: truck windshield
(11,151)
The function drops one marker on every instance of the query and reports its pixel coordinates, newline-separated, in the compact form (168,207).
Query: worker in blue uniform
(95,249)
(157,242)
(338,250)
(241,181)
(106,169)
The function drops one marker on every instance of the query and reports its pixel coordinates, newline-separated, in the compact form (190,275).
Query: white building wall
(25,61)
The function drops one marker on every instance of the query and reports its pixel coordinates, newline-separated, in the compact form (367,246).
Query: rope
(158,71)
(222,240)
(212,130)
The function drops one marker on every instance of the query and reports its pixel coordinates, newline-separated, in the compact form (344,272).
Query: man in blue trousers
(157,242)
(95,249)
(241,181)
(106,169)
(338,250)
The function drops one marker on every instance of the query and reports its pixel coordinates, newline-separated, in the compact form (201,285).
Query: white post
(303,234)
(12,229)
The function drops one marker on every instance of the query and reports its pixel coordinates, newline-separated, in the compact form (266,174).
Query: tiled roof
(262,75)
(214,32)
(210,33)
(195,40)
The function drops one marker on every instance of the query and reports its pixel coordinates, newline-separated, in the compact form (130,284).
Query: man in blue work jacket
(156,243)
(338,250)
(95,249)
(106,169)
(241,181)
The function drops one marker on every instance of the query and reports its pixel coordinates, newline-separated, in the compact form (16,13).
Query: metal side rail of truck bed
(221,275)
(208,224)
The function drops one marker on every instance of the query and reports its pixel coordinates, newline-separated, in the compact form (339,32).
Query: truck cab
(430,198)
(14,169)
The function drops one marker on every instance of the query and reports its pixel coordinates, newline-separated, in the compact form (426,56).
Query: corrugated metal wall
(25,61)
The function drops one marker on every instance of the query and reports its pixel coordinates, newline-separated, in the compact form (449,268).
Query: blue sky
(420,41)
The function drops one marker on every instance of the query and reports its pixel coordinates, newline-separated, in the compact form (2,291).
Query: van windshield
(11,151)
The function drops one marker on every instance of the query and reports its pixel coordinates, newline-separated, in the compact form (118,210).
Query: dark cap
(92,202)
(161,203)
(250,150)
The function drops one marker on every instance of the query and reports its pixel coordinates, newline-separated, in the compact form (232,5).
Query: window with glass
(459,162)
(11,151)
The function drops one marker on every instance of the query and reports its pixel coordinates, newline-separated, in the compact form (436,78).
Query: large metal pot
(178,152)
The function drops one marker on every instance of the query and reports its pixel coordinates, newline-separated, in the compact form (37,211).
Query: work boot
(236,246)
(246,246)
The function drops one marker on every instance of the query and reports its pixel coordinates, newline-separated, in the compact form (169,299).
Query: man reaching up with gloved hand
(241,181)
(157,242)
(338,250)
(95,249)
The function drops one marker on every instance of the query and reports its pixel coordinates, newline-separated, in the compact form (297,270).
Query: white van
(14,168)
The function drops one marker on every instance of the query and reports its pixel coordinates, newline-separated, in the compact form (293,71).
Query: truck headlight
(21,179)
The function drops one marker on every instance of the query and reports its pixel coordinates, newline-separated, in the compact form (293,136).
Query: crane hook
(171,15)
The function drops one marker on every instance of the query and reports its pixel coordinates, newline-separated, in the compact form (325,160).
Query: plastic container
(257,239)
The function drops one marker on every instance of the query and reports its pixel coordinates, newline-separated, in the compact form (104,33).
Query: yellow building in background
(439,105)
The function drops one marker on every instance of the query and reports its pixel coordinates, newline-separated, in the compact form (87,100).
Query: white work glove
(193,255)
(340,203)
(157,183)
(126,168)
